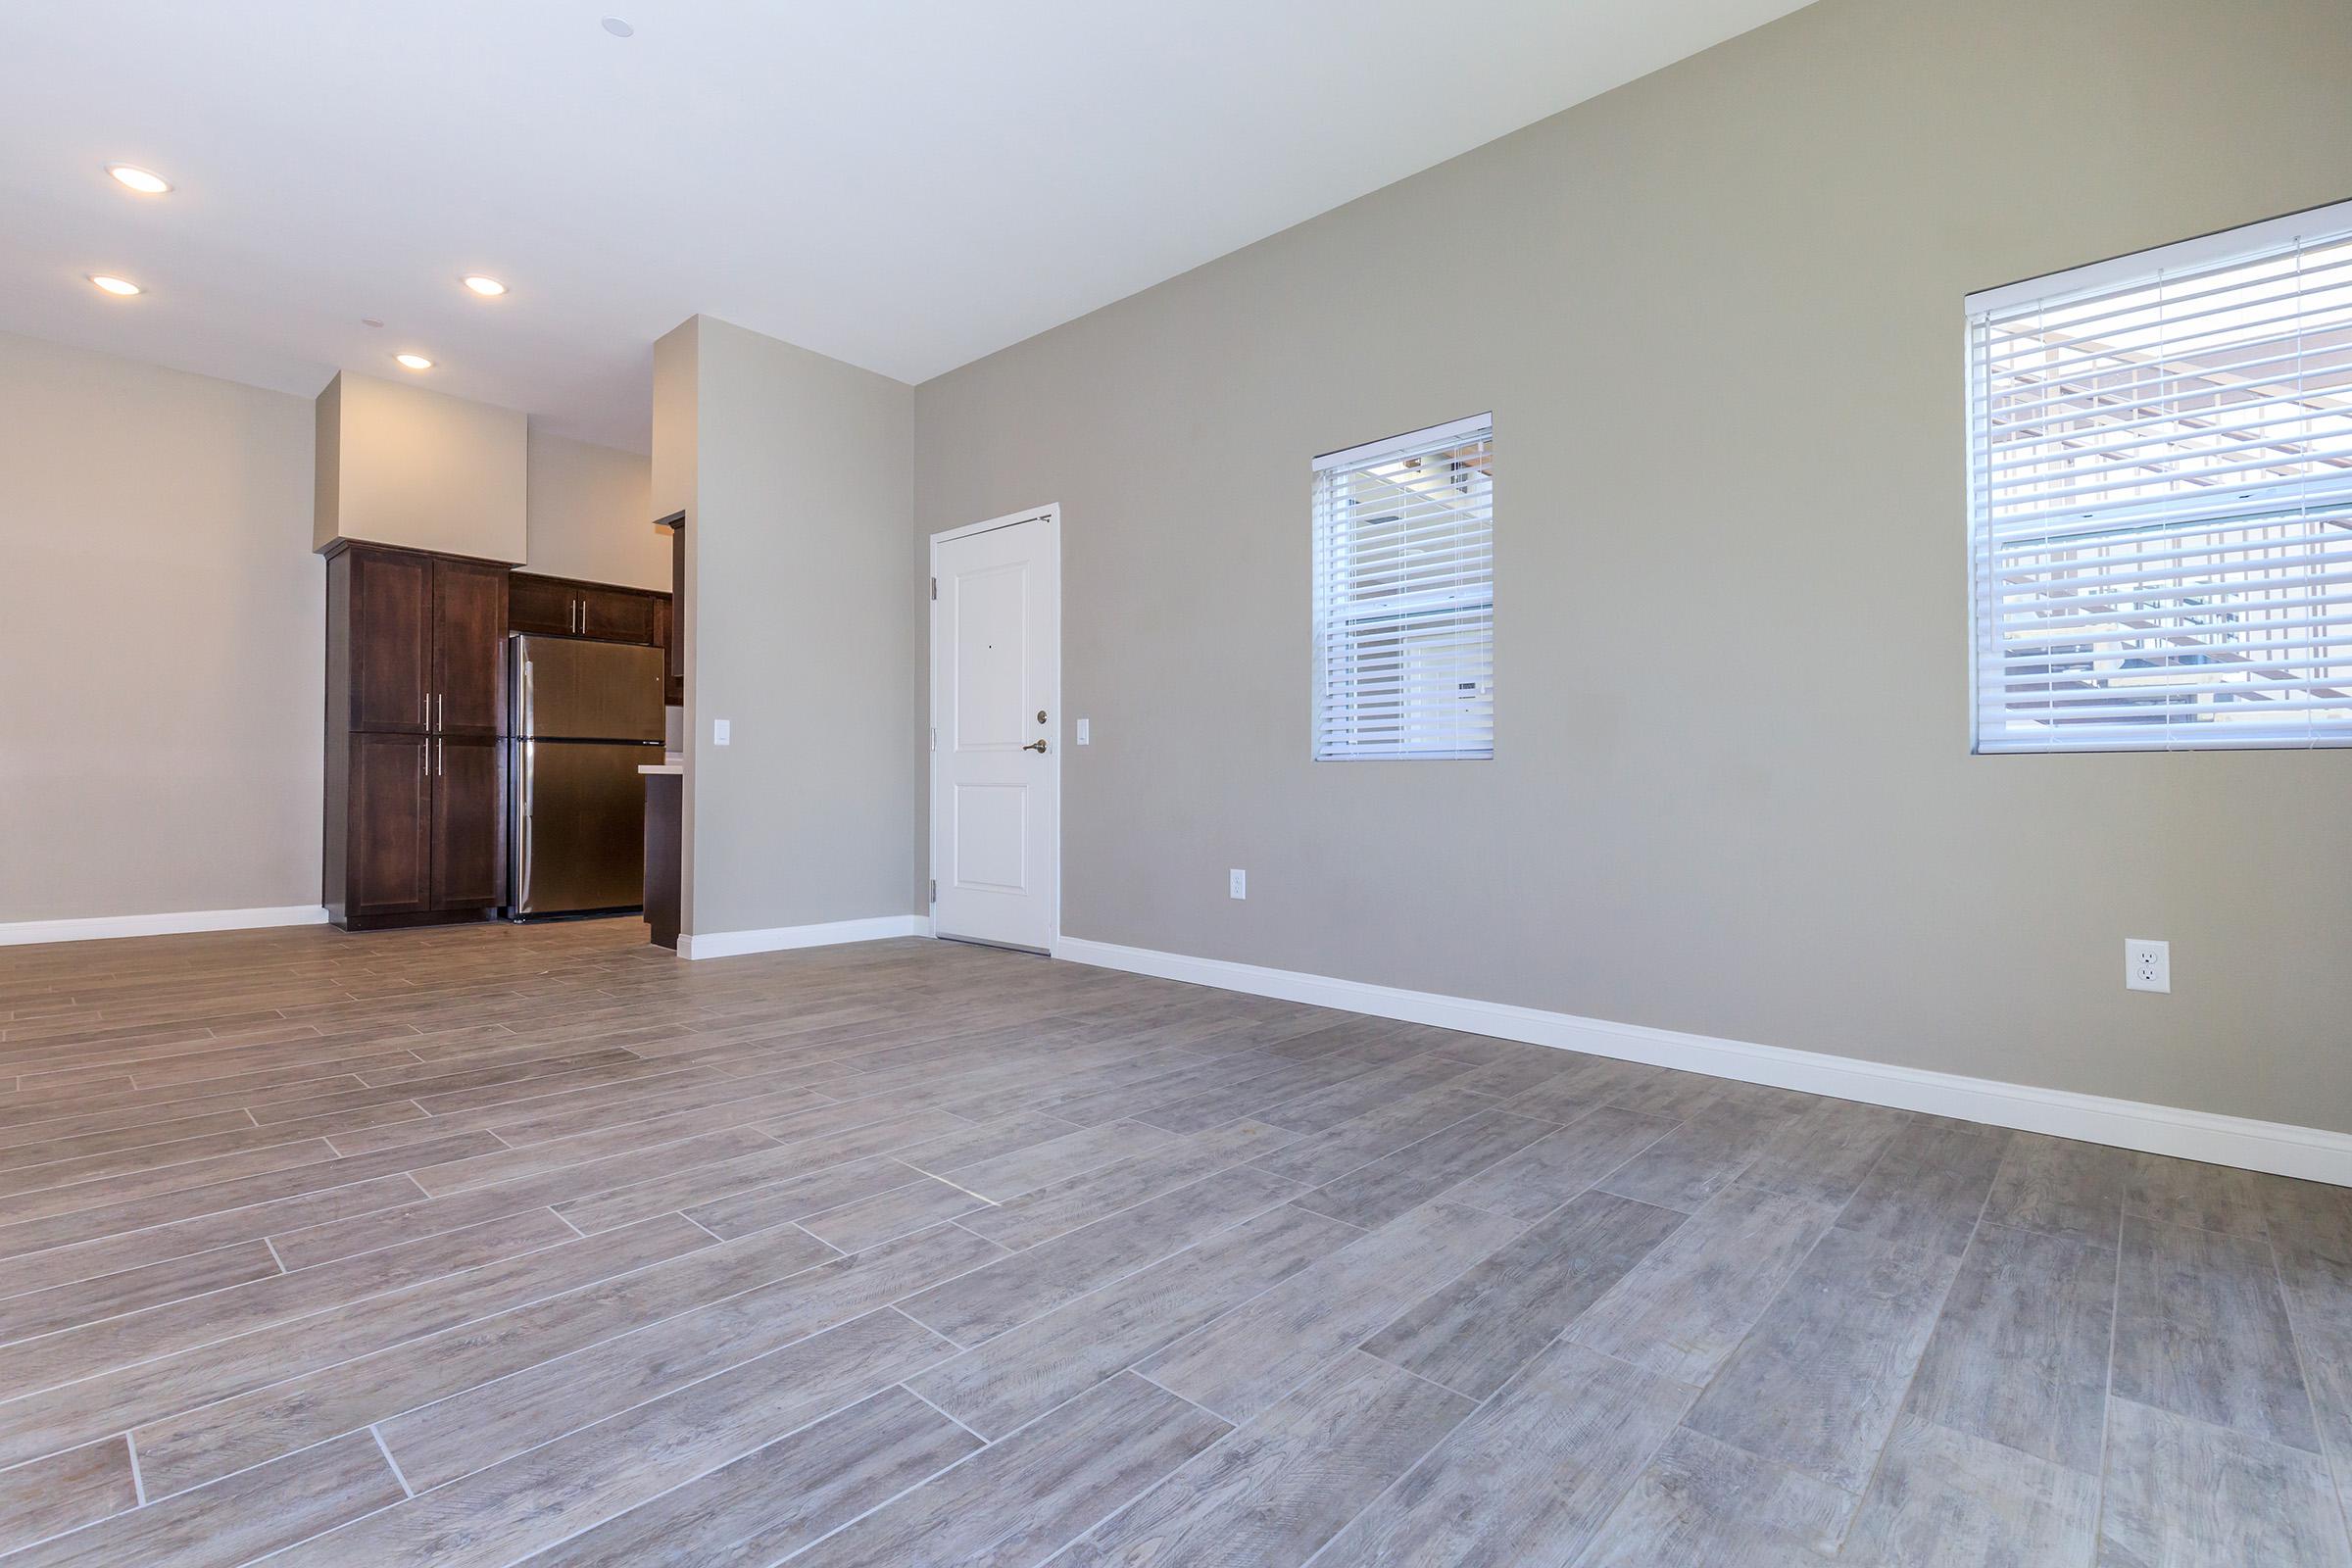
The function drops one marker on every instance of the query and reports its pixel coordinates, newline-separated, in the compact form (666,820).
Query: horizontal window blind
(1404,596)
(2161,479)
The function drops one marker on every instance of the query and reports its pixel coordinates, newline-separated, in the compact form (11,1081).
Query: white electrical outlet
(2147,966)
(1237,884)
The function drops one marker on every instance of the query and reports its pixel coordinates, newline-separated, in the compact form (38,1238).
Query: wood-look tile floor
(503,1245)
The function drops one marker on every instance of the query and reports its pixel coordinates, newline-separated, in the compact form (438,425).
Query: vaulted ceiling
(904,184)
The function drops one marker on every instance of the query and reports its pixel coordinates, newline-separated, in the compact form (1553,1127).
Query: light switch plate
(721,732)
(1084,735)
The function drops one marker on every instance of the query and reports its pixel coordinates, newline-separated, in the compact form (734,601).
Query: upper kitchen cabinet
(387,601)
(564,606)
(617,615)
(470,626)
(414,642)
(543,606)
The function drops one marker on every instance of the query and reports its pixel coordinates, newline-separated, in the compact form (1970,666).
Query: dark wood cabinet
(470,643)
(416,726)
(565,606)
(390,826)
(617,615)
(674,631)
(545,606)
(390,619)
(469,823)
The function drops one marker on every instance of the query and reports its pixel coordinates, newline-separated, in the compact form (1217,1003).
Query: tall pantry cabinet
(416,728)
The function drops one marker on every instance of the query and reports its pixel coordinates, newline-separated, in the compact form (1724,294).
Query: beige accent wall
(1717,316)
(590,515)
(802,610)
(160,741)
(406,466)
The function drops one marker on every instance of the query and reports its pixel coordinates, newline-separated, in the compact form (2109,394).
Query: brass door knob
(1038,746)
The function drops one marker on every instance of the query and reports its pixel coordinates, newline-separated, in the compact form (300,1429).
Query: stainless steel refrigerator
(586,716)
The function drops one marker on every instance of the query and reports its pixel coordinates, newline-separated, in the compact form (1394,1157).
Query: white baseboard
(776,939)
(2277,1148)
(100,927)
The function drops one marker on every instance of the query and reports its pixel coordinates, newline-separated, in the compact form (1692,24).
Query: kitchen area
(502,739)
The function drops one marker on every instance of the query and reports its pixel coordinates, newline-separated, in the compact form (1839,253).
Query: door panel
(391,640)
(996,697)
(390,868)
(469,639)
(992,837)
(580,825)
(536,603)
(469,823)
(617,616)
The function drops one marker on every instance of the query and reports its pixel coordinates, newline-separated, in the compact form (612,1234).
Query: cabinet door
(540,604)
(617,615)
(469,823)
(391,641)
(470,642)
(390,866)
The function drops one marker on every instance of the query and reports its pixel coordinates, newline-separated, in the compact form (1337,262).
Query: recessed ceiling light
(617,27)
(415,362)
(487,287)
(116,285)
(144,181)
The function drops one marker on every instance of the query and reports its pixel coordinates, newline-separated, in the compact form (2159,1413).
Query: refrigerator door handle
(527,697)
(521,891)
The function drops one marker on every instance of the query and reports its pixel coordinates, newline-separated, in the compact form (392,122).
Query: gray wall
(800,621)
(1717,316)
(163,641)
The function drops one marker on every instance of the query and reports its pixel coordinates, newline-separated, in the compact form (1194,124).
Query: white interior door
(995,738)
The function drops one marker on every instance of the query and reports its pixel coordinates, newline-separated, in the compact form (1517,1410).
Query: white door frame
(1050,515)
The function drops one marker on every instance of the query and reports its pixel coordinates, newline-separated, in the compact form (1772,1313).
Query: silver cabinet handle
(440,757)
(436,710)
(424,764)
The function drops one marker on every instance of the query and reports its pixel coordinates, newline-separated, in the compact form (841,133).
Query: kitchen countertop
(670,763)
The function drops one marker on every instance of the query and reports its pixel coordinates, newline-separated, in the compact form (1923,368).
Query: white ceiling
(904,184)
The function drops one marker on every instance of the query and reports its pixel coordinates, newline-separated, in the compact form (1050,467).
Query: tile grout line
(363,1355)
(1943,1301)
(2294,1338)
(385,1449)
(918,1394)
(2115,1314)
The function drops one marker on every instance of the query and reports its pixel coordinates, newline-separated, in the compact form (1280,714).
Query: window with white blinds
(2161,497)
(1404,596)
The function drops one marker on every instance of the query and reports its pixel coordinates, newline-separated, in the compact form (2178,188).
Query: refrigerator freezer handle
(522,827)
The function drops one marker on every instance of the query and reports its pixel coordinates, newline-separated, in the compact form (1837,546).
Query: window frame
(1321,631)
(2288,234)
